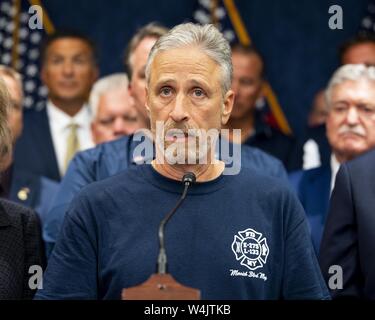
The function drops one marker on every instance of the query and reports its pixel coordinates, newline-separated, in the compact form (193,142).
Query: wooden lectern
(160,287)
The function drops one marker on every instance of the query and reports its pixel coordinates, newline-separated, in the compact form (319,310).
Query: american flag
(19,48)
(208,11)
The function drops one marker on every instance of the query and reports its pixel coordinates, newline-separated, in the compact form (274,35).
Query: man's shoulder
(34,120)
(110,185)
(253,153)
(35,114)
(360,174)
(259,181)
(114,148)
(253,157)
(363,162)
(310,174)
(26,186)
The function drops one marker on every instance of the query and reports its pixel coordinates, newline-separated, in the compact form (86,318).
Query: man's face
(138,63)
(69,70)
(247,83)
(116,116)
(351,119)
(363,53)
(15,118)
(185,93)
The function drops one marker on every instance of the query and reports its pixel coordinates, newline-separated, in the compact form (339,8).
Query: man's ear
(227,106)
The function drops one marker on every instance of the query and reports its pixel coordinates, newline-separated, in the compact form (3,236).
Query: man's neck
(341,158)
(245,124)
(203,172)
(71,107)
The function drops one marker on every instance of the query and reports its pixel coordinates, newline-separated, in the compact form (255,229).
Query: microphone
(162,285)
(188,179)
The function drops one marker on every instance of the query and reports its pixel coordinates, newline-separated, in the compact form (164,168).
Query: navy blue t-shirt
(235,237)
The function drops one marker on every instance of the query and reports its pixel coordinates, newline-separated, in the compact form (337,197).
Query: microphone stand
(161,285)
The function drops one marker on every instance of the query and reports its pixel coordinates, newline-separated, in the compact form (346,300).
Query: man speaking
(238,236)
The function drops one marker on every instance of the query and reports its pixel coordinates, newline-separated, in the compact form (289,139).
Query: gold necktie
(72,143)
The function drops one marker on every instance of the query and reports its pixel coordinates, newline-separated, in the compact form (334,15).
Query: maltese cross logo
(251,248)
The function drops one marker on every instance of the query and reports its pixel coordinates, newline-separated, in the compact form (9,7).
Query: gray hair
(349,72)
(11,73)
(103,85)
(5,135)
(206,37)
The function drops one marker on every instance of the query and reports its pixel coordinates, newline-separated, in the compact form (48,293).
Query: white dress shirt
(59,123)
(311,155)
(335,166)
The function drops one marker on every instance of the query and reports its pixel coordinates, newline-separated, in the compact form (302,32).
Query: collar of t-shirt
(60,122)
(174,186)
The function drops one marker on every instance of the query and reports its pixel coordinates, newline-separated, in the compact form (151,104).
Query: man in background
(52,135)
(316,152)
(248,80)
(113,110)
(113,157)
(350,131)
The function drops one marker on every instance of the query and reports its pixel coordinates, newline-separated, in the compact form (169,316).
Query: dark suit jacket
(33,191)
(349,236)
(313,189)
(34,151)
(20,247)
